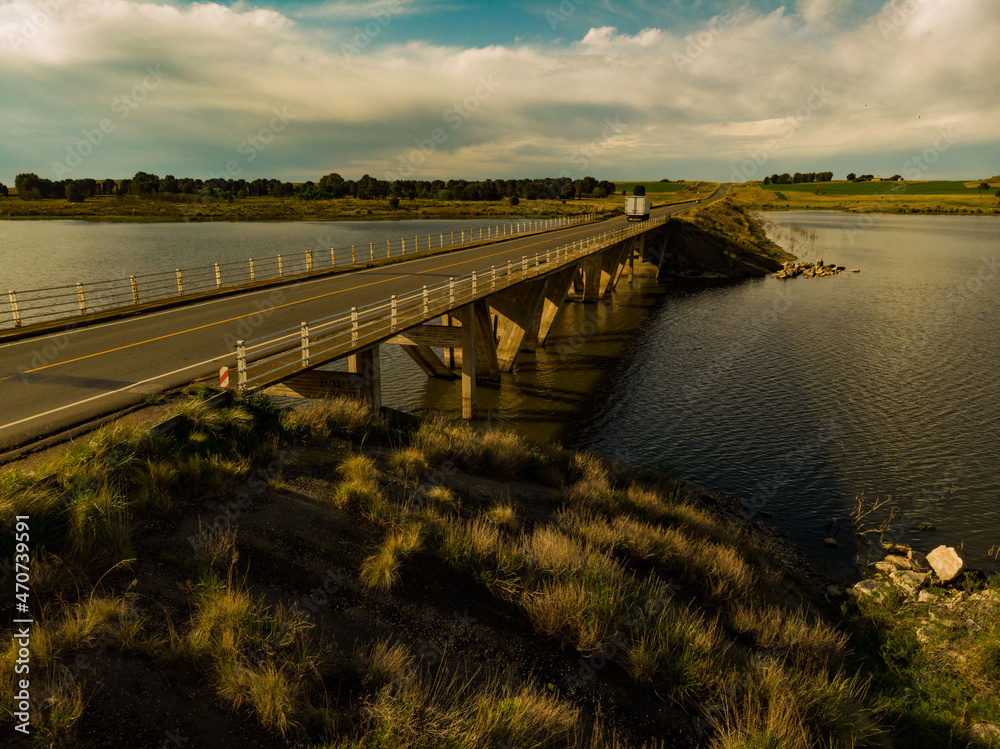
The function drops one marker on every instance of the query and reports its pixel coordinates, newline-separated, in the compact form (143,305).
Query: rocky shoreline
(811,270)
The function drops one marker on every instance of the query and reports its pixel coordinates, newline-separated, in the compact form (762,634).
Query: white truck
(636,208)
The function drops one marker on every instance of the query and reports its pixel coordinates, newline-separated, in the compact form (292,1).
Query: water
(797,396)
(802,395)
(42,254)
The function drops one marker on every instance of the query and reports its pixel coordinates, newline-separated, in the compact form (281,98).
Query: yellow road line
(258,312)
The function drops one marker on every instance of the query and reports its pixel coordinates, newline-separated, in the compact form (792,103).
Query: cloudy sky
(630,89)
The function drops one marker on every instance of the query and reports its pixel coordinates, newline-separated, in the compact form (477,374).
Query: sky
(722,90)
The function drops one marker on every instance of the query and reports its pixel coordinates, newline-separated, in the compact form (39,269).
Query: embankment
(719,241)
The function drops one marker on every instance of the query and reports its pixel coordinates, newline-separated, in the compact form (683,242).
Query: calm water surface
(798,396)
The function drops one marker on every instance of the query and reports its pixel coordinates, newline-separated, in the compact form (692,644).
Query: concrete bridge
(481,305)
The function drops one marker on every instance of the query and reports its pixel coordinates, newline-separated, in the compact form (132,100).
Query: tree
(514,200)
(144,184)
(3,190)
(169,184)
(73,192)
(639,190)
(983,187)
(568,192)
(108,186)
(851,177)
(393,202)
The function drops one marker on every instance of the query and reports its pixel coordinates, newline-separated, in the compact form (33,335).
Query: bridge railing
(26,307)
(267,359)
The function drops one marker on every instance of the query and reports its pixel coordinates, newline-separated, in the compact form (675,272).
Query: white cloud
(885,84)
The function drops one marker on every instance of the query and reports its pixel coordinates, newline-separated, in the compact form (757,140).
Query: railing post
(440,241)
(388,248)
(281,267)
(463,236)
(354,327)
(241,366)
(493,277)
(309,261)
(451,290)
(305,345)
(354,255)
(508,271)
(425,299)
(14,309)
(392,312)
(333,258)
(371,252)
(180,283)
(524,264)
(403,244)
(79,296)
(218,277)
(453,238)
(135,290)
(536,264)
(473,284)
(253,274)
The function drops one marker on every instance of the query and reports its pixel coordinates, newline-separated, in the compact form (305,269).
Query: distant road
(56,381)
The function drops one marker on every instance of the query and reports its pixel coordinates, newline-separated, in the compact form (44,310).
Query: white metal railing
(25,307)
(269,358)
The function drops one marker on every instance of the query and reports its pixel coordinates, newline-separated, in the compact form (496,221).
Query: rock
(869,587)
(908,580)
(885,567)
(987,733)
(901,562)
(925,596)
(855,270)
(834,591)
(946,563)
(892,548)
(819,263)
(918,561)
(830,543)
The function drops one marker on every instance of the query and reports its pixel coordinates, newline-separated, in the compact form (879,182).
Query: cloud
(821,85)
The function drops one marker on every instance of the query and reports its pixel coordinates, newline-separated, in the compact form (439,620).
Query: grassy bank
(196,208)
(941,196)
(336,577)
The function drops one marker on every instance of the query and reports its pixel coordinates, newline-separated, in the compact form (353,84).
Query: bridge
(480,304)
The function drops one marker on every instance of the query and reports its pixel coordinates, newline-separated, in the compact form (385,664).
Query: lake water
(798,396)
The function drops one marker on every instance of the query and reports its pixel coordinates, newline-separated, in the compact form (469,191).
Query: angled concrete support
(515,310)
(593,284)
(557,287)
(429,361)
(368,364)
(614,262)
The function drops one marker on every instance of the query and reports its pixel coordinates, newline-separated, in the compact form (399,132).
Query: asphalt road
(56,381)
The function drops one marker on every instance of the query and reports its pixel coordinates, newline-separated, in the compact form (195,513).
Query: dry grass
(778,707)
(407,462)
(261,657)
(442,499)
(215,546)
(381,569)
(411,709)
(340,414)
(807,642)
(502,514)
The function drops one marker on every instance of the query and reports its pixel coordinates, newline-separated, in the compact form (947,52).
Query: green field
(937,187)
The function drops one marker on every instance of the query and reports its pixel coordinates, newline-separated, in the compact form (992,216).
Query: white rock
(901,562)
(868,587)
(946,563)
(925,596)
(908,580)
(988,733)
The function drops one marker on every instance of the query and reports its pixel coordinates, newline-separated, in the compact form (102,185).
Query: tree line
(798,178)
(331,186)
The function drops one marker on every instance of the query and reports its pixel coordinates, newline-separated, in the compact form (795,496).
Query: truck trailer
(636,207)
